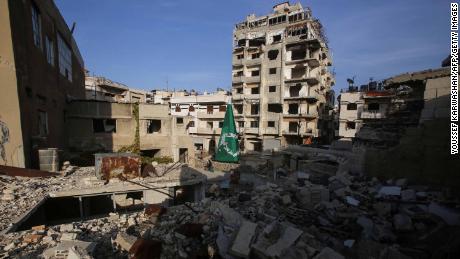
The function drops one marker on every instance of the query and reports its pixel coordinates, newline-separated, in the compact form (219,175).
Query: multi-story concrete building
(108,126)
(281,85)
(41,69)
(359,107)
(206,115)
(102,89)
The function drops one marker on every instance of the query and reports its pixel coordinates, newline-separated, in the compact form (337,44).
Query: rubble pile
(20,194)
(301,215)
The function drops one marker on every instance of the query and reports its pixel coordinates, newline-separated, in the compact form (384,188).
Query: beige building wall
(11,144)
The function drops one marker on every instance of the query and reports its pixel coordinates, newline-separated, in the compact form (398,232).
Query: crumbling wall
(422,155)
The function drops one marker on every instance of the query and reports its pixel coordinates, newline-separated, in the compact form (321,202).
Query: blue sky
(143,43)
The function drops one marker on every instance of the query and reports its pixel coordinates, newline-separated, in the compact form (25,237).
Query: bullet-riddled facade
(281,84)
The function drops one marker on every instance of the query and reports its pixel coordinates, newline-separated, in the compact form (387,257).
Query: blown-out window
(36,26)
(65,58)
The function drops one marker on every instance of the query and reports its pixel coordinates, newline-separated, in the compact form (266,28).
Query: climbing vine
(136,146)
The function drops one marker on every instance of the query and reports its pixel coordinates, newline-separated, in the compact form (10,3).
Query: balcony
(373,115)
(237,62)
(252,96)
(310,97)
(271,131)
(252,62)
(302,132)
(209,131)
(313,79)
(252,79)
(237,97)
(251,130)
(301,115)
(313,62)
(237,79)
(214,115)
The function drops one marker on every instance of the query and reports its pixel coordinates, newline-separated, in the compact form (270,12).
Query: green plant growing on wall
(134,148)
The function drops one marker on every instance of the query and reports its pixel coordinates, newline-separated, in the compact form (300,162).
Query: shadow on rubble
(422,154)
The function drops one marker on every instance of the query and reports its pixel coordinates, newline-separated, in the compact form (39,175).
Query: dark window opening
(293,126)
(104,125)
(255,90)
(255,55)
(294,91)
(271,124)
(352,106)
(373,107)
(191,124)
(242,43)
(221,124)
(257,42)
(254,124)
(255,73)
(210,109)
(153,126)
(238,108)
(151,152)
(297,72)
(272,71)
(191,108)
(239,90)
(350,125)
(180,120)
(240,56)
(298,54)
(277,38)
(272,54)
(222,108)
(241,124)
(254,109)
(272,88)
(293,108)
(275,107)
(177,108)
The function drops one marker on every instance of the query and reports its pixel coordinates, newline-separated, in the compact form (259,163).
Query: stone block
(242,244)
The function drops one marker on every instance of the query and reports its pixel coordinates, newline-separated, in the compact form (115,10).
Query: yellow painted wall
(11,145)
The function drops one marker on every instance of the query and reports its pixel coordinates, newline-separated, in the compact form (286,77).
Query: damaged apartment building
(102,89)
(281,85)
(41,69)
(205,114)
(97,126)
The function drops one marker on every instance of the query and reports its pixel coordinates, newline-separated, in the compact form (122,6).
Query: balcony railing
(373,115)
(214,131)
(214,115)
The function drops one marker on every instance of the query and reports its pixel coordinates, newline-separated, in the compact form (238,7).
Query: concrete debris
(242,244)
(390,191)
(336,216)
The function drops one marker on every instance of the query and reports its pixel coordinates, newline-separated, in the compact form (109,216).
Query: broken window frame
(273,54)
(373,107)
(36,26)
(352,107)
(104,125)
(152,126)
(42,123)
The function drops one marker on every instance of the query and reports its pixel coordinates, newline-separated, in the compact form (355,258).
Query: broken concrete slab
(64,247)
(450,216)
(124,241)
(287,239)
(243,240)
(389,191)
(328,253)
(402,222)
